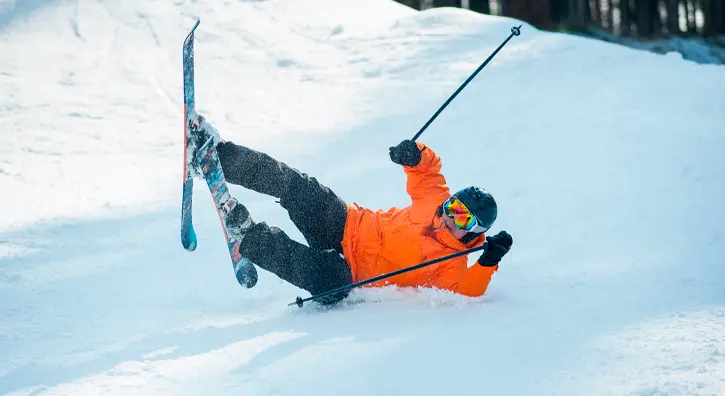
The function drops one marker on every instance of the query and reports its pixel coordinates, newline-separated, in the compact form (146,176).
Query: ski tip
(246,274)
(188,237)
(190,36)
(191,247)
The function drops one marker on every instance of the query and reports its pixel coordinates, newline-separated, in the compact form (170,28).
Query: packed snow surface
(607,164)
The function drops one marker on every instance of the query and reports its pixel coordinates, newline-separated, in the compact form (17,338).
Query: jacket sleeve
(426,185)
(469,281)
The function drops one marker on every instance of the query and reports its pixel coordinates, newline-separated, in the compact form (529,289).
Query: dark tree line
(640,18)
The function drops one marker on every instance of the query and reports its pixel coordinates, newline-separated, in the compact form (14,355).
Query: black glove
(406,153)
(498,246)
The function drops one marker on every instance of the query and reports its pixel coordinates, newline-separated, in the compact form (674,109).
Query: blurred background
(694,28)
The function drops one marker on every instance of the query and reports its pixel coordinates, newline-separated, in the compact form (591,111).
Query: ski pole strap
(515,31)
(300,301)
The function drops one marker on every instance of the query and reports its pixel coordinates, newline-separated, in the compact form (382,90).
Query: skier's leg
(317,212)
(255,170)
(311,269)
(314,270)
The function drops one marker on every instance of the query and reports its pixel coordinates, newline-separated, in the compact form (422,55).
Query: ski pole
(300,301)
(515,31)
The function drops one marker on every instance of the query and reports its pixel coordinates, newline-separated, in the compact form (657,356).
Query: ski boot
(238,223)
(200,132)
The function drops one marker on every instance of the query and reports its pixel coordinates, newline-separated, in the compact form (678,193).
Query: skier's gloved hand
(498,246)
(406,153)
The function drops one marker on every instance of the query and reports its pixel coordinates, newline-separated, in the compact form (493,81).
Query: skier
(349,243)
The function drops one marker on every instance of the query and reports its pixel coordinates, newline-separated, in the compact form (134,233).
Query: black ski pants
(317,212)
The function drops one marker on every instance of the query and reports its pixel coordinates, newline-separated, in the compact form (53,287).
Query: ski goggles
(462,217)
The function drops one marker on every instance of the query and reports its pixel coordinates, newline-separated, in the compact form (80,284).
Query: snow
(606,163)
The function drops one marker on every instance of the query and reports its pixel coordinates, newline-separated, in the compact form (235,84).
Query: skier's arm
(425,181)
(472,281)
(422,166)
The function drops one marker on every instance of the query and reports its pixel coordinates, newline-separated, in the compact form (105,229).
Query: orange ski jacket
(377,242)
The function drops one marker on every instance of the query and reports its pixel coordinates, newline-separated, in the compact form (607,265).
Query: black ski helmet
(481,204)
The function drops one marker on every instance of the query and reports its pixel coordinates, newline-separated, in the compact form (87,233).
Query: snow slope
(606,163)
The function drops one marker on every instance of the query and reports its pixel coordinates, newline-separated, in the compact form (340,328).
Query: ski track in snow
(606,163)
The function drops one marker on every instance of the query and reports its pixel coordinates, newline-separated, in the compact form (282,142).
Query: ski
(188,236)
(208,161)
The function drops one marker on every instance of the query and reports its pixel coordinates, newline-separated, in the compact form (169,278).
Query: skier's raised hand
(498,246)
(406,153)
